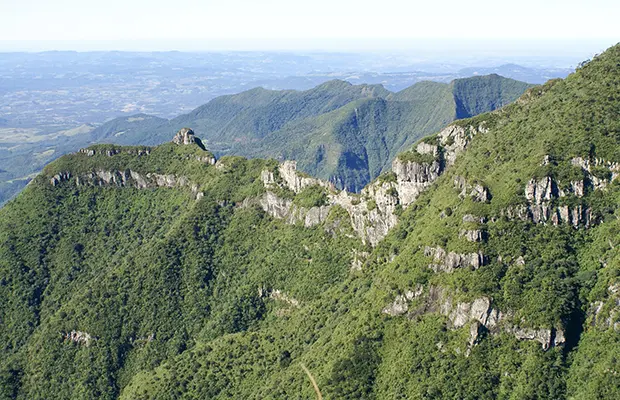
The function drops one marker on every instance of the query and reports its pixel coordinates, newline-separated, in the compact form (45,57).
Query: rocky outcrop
(470,218)
(184,136)
(576,216)
(455,138)
(296,181)
(78,337)
(449,262)
(109,152)
(477,192)
(478,313)
(606,314)
(285,209)
(373,212)
(428,148)
(588,166)
(208,159)
(472,235)
(413,178)
(541,191)
(127,178)
(401,303)
(546,337)
(542,195)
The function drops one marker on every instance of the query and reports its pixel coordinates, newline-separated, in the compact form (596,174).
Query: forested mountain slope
(280,124)
(343,133)
(485,265)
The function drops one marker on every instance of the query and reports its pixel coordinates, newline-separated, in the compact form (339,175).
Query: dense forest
(484,265)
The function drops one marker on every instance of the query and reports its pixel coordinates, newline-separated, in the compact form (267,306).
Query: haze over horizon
(553,28)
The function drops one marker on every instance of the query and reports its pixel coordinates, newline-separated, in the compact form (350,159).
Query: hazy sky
(253,23)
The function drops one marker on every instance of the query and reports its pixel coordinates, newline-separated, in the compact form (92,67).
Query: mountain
(485,265)
(247,116)
(340,132)
(518,72)
(267,123)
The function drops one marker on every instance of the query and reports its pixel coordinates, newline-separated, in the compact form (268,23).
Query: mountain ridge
(485,265)
(282,124)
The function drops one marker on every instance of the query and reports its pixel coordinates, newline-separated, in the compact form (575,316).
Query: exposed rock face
(542,195)
(291,213)
(81,338)
(207,159)
(479,313)
(448,262)
(473,235)
(60,177)
(606,314)
(413,178)
(295,182)
(370,222)
(540,191)
(90,152)
(544,213)
(478,310)
(473,219)
(401,302)
(587,166)
(454,140)
(184,136)
(373,212)
(427,148)
(358,259)
(541,207)
(127,178)
(477,192)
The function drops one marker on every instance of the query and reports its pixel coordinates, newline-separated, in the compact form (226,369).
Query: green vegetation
(337,131)
(413,156)
(212,298)
(311,196)
(344,133)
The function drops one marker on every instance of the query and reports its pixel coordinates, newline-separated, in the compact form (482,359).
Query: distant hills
(340,132)
(518,72)
(337,131)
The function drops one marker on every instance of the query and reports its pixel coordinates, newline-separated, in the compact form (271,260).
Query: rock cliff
(373,213)
(126,178)
(479,313)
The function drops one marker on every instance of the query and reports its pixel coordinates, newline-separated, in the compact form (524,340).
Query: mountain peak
(186,136)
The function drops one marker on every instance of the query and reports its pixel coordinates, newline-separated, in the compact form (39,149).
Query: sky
(290,24)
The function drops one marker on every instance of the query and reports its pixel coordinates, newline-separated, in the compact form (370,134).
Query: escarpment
(484,265)
(552,201)
(101,176)
(127,178)
(374,212)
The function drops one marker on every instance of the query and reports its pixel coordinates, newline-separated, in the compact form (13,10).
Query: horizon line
(341,45)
